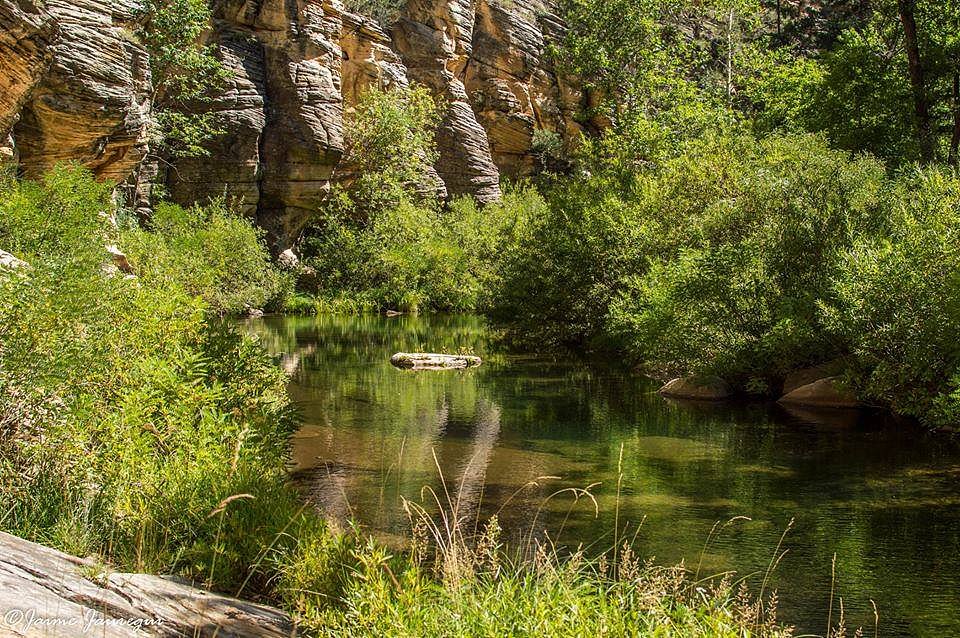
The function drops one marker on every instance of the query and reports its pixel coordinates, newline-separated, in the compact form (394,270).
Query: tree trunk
(917,82)
(730,57)
(779,21)
(955,139)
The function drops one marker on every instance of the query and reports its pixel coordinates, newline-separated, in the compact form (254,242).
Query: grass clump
(565,598)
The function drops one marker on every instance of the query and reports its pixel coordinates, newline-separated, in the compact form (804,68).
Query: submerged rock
(823,393)
(431,361)
(701,387)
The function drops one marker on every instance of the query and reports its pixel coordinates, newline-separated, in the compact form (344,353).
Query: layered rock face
(25,35)
(513,87)
(369,61)
(75,85)
(487,60)
(88,96)
(281,115)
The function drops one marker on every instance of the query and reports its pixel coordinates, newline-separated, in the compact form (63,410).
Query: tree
(906,10)
(185,71)
(389,146)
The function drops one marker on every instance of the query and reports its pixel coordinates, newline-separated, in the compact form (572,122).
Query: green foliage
(185,73)
(380,243)
(747,259)
(546,597)
(738,296)
(898,302)
(385,12)
(389,147)
(128,420)
(211,253)
(862,101)
(642,67)
(702,231)
(782,92)
(411,257)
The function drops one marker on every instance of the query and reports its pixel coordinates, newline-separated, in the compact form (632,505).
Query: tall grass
(458,578)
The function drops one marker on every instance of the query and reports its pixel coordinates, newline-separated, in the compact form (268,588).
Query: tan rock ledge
(47,593)
(432,361)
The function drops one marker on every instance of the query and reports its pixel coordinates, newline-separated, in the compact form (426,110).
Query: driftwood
(431,361)
(44,592)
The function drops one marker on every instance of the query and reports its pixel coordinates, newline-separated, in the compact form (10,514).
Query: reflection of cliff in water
(335,464)
(473,472)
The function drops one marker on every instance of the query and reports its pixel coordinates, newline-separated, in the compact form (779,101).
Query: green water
(882,497)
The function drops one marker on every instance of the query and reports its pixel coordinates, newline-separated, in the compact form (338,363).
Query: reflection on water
(886,500)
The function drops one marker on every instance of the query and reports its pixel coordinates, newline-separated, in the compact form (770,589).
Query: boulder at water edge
(822,393)
(699,387)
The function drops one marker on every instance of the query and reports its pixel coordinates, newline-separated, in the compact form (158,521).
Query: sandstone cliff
(75,85)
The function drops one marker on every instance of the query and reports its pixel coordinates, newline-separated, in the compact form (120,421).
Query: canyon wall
(75,85)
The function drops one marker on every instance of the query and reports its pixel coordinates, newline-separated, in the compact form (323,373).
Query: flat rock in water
(822,393)
(702,388)
(44,592)
(432,361)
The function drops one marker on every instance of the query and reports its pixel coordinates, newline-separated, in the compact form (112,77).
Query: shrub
(558,273)
(410,257)
(740,297)
(131,427)
(212,253)
(185,73)
(379,242)
(389,148)
(898,301)
(385,12)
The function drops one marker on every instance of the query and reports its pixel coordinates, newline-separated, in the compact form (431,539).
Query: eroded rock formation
(514,89)
(75,85)
(282,113)
(92,103)
(25,35)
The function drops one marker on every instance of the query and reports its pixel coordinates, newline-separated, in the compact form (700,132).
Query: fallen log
(432,361)
(44,592)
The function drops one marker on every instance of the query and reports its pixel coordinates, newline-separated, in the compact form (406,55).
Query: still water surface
(884,499)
